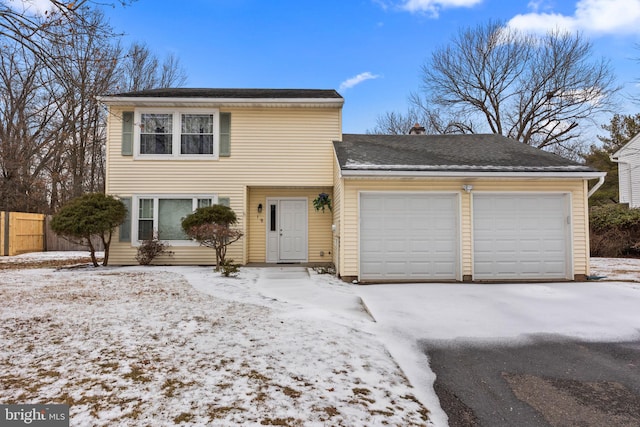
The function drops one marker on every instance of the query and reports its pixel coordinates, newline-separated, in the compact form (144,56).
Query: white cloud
(590,16)
(30,6)
(433,7)
(353,81)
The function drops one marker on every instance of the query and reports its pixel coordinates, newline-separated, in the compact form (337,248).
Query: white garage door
(408,236)
(520,236)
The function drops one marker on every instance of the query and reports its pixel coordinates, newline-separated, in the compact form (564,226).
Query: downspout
(616,159)
(596,187)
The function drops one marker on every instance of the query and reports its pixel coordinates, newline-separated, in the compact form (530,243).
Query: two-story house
(405,208)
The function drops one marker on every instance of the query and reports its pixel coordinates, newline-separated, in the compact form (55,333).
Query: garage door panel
(417,237)
(520,236)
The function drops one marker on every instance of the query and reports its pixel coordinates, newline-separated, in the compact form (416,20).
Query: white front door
(287,230)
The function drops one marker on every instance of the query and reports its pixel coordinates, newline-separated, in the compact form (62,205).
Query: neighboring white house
(628,159)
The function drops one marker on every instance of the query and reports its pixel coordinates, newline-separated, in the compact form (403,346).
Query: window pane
(146,209)
(156,133)
(156,123)
(145,219)
(170,214)
(196,144)
(197,134)
(145,229)
(197,123)
(204,203)
(272,218)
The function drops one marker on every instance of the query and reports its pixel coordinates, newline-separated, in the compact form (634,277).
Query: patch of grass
(260,397)
(170,386)
(108,367)
(361,391)
(280,422)
(381,412)
(290,392)
(183,418)
(331,411)
(45,263)
(257,376)
(221,411)
(137,375)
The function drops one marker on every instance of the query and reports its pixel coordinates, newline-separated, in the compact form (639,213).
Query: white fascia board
(453,174)
(231,102)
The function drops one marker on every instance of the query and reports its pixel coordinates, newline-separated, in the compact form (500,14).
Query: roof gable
(446,153)
(630,147)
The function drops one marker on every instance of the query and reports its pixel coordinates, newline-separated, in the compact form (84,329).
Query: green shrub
(618,216)
(93,214)
(615,231)
(228,268)
(211,227)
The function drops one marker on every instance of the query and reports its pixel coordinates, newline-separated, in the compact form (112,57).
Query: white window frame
(176,134)
(135,209)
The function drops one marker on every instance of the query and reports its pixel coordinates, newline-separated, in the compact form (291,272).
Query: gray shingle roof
(232,93)
(450,153)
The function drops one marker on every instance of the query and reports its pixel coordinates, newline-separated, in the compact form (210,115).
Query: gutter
(471,174)
(169,101)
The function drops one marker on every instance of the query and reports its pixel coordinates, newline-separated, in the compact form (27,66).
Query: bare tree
(434,122)
(31,28)
(141,69)
(536,89)
(89,71)
(28,130)
(52,129)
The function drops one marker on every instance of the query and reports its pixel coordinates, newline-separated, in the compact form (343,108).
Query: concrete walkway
(296,285)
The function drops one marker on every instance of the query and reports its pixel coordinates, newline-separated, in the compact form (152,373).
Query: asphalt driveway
(549,382)
(522,354)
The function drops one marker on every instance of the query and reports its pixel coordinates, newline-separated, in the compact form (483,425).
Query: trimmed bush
(93,214)
(211,227)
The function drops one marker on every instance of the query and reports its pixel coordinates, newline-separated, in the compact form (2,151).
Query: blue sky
(370,51)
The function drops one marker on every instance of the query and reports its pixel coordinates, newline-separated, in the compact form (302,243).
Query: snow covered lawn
(141,347)
(181,345)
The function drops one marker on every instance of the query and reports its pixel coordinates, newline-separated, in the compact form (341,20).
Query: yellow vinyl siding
(349,263)
(270,147)
(276,147)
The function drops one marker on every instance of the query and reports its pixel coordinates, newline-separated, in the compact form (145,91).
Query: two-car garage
(412,236)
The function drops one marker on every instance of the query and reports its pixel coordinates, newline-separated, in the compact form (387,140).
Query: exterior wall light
(260,208)
(467,188)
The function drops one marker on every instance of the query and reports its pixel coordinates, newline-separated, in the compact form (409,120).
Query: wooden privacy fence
(21,233)
(53,242)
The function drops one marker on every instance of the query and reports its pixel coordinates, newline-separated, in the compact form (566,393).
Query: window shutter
(127,133)
(225,134)
(224,201)
(125,227)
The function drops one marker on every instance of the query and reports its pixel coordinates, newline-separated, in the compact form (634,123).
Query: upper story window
(173,134)
(156,133)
